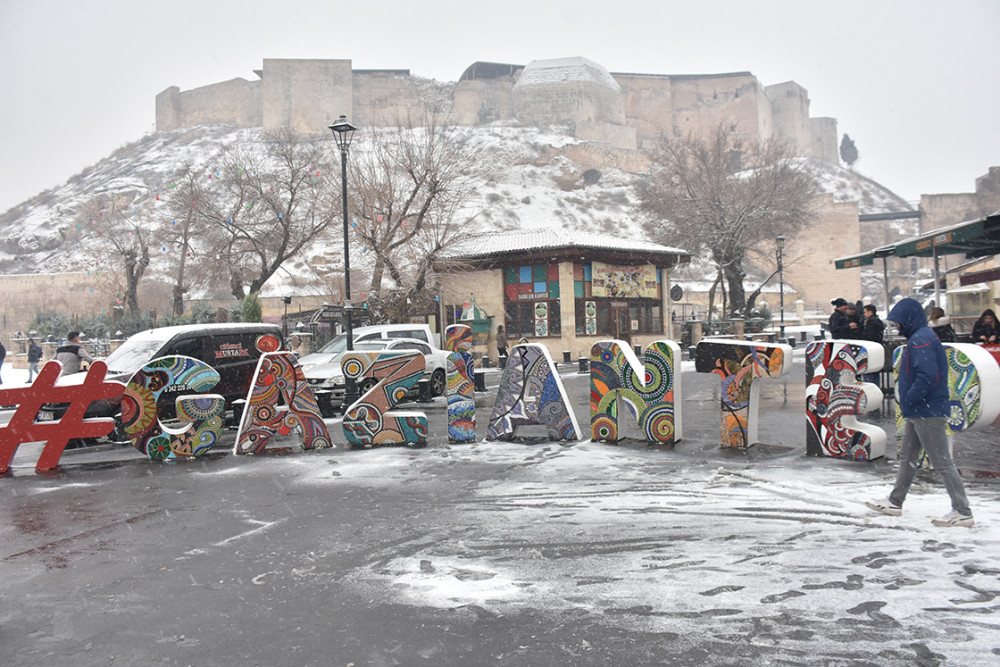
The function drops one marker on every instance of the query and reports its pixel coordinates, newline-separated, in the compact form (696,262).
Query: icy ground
(506,554)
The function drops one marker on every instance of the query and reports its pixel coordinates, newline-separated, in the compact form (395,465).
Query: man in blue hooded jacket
(923,399)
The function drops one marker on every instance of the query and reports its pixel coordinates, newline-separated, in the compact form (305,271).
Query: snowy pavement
(503,554)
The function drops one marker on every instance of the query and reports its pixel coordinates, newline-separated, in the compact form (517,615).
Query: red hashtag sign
(23,427)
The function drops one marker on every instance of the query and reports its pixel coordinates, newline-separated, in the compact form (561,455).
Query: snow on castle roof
(565,70)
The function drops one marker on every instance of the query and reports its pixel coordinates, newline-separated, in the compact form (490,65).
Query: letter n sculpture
(279,401)
(834,398)
(740,364)
(647,389)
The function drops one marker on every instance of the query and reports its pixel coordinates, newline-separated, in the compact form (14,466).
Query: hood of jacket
(939,322)
(909,315)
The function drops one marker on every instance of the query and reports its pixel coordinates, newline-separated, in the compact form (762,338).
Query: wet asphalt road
(256,561)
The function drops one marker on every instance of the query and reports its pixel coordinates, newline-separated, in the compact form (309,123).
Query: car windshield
(335,346)
(133,354)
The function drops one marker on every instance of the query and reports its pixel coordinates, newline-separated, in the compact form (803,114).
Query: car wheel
(366,385)
(439,382)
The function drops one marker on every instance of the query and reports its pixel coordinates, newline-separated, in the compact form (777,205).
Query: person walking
(72,354)
(34,356)
(923,399)
(501,343)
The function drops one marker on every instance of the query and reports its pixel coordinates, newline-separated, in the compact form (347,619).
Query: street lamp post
(781,284)
(343,131)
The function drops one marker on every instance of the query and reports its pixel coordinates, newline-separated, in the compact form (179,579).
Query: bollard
(791,341)
(425,391)
(480,381)
(502,361)
(567,358)
(802,336)
(692,351)
(584,364)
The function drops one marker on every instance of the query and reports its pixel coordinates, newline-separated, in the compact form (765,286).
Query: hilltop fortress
(622,110)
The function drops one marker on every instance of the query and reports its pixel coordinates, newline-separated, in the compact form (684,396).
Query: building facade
(565,290)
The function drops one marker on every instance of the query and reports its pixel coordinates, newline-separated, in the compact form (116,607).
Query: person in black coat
(986,329)
(874,331)
(941,325)
(841,325)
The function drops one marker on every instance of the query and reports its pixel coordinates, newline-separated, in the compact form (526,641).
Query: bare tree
(120,222)
(267,207)
(726,195)
(413,194)
(184,227)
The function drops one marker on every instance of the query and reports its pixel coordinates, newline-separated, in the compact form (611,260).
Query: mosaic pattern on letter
(647,388)
(200,416)
(739,364)
(280,400)
(461,385)
(369,421)
(531,392)
(834,398)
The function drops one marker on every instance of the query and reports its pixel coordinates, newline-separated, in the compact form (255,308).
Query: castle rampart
(626,110)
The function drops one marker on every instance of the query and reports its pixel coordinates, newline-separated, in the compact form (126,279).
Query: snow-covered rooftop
(498,243)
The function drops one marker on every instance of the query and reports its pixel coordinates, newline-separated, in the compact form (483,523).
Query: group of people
(855,321)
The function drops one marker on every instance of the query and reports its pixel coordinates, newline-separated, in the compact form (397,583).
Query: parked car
(338,344)
(232,349)
(329,385)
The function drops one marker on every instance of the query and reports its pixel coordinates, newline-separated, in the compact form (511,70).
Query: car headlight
(332,381)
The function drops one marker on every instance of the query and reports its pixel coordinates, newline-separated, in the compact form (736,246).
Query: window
(531,301)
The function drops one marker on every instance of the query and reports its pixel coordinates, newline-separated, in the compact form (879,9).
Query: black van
(231,349)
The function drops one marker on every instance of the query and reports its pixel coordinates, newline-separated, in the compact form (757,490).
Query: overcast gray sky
(912,81)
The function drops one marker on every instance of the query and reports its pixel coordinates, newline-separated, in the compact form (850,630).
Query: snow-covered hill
(531,184)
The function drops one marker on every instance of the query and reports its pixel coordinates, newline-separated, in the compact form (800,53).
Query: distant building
(565,290)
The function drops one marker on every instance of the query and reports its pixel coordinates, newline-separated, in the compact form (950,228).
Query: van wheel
(439,382)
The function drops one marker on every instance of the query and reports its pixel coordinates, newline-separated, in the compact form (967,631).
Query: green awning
(854,261)
(863,258)
(966,237)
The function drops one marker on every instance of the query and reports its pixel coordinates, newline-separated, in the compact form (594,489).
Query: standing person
(841,325)
(3,355)
(34,356)
(986,329)
(72,354)
(923,400)
(874,331)
(501,343)
(941,324)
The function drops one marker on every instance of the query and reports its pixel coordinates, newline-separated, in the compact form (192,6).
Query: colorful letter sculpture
(369,421)
(834,397)
(23,427)
(531,393)
(647,390)
(200,415)
(973,389)
(739,364)
(461,385)
(278,401)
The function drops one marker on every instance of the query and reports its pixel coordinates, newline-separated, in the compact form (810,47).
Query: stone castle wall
(626,110)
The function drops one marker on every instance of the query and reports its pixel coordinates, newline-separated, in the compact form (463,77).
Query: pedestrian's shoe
(954,519)
(885,507)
